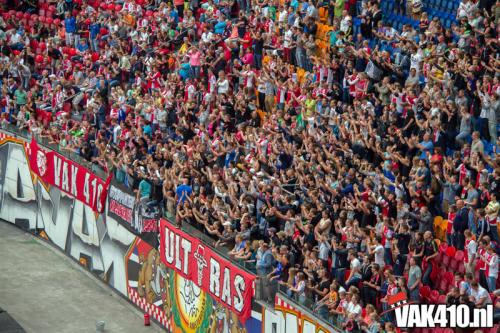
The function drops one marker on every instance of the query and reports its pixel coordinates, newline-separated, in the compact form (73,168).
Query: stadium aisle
(46,292)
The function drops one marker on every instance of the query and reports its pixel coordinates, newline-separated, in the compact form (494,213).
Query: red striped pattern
(152,309)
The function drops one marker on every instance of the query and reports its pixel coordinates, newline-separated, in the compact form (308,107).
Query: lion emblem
(41,162)
(153,280)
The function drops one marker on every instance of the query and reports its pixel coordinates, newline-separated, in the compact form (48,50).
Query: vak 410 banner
(68,176)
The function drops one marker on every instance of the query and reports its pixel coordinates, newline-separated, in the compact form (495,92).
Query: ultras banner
(68,176)
(190,258)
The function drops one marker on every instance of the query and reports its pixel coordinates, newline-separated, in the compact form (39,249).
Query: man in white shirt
(479,295)
(117,131)
(471,250)
(378,251)
(416,59)
(355,274)
(346,22)
(492,262)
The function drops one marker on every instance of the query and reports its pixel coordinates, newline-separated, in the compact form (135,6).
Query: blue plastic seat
(449,7)
(488,147)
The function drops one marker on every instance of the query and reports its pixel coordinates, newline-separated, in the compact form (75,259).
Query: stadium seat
(450,251)
(457,259)
(443,285)
(435,274)
(434,296)
(461,267)
(425,292)
(443,247)
(449,255)
(494,329)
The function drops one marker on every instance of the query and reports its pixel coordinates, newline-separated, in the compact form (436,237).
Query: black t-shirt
(325,284)
(429,248)
(55,54)
(258,45)
(220,66)
(342,258)
(368,219)
(310,239)
(403,242)
(451,300)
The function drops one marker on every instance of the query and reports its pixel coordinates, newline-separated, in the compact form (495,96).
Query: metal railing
(24,134)
(308,306)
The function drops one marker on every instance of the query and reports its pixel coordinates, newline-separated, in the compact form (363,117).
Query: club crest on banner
(202,262)
(41,162)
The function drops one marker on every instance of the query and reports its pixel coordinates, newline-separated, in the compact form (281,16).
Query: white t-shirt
(493,265)
(344,24)
(222,86)
(117,131)
(353,308)
(288,38)
(471,249)
(415,61)
(379,255)
(480,293)
(355,263)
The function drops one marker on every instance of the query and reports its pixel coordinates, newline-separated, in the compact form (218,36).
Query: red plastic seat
(459,255)
(436,274)
(438,258)
(445,262)
(434,297)
(450,251)
(457,259)
(346,274)
(453,266)
(449,277)
(425,291)
(461,267)
(443,285)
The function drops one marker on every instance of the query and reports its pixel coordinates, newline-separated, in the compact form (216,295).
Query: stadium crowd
(347,170)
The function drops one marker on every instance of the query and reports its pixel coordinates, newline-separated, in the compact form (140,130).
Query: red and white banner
(68,176)
(228,284)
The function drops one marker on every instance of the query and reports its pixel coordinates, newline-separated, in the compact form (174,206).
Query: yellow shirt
(492,209)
